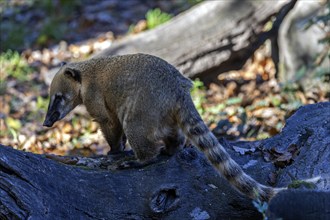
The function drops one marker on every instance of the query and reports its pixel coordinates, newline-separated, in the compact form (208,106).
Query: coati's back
(148,100)
(139,83)
(135,72)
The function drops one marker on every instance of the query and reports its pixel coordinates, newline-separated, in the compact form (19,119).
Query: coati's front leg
(114,135)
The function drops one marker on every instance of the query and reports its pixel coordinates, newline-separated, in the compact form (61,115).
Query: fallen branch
(211,38)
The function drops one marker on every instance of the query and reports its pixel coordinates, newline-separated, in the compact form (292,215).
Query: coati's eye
(58,96)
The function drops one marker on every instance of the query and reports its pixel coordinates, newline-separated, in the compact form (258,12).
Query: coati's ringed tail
(196,130)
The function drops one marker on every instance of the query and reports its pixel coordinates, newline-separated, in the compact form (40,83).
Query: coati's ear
(73,74)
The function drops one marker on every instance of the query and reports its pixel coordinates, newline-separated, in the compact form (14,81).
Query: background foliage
(248,104)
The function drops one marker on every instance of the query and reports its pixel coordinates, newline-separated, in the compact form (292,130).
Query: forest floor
(248,104)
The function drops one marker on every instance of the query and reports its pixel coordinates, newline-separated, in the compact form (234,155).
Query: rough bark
(184,186)
(210,38)
(296,53)
(296,204)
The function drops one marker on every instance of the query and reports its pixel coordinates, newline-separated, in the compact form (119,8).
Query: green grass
(198,94)
(156,17)
(13,65)
(261,207)
(51,29)
(12,35)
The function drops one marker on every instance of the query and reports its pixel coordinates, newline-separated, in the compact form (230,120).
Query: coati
(146,99)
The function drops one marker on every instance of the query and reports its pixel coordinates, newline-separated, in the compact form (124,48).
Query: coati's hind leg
(173,142)
(145,150)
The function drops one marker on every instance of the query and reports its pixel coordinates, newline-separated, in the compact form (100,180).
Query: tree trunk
(210,38)
(184,186)
(297,54)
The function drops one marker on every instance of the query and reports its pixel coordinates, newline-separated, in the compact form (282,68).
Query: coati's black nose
(47,124)
(51,119)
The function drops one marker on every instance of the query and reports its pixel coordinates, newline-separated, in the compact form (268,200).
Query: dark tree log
(210,38)
(184,186)
(309,205)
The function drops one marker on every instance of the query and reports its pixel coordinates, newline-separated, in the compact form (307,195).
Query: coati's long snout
(58,108)
(53,113)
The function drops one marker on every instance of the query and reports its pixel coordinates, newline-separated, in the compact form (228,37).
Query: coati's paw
(119,155)
(166,152)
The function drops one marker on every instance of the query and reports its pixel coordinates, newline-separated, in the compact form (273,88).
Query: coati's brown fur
(148,100)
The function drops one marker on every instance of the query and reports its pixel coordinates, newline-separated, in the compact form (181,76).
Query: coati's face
(64,94)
